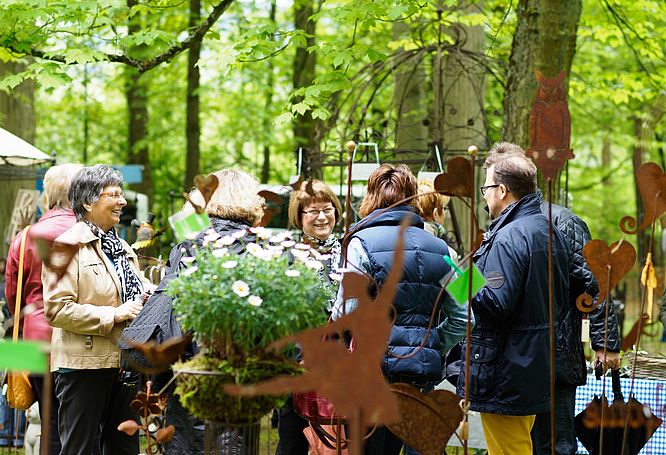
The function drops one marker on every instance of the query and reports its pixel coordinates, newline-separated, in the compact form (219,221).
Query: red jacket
(50,225)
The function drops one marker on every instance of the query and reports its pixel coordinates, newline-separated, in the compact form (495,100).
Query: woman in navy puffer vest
(371,250)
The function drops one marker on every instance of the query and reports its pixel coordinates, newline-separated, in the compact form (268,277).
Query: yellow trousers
(507,435)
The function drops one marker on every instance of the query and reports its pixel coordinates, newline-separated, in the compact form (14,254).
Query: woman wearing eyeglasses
(92,289)
(314,209)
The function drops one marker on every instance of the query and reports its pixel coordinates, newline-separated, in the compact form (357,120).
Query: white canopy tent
(14,151)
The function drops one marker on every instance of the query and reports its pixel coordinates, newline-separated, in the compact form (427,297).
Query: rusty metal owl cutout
(550,126)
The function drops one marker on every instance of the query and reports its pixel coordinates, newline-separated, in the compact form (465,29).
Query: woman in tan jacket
(89,300)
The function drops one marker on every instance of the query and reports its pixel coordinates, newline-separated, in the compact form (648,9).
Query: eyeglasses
(487,187)
(314,213)
(116,196)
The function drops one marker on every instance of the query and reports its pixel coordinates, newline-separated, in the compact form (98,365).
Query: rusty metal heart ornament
(207,185)
(651,182)
(620,257)
(428,421)
(456,181)
(272,207)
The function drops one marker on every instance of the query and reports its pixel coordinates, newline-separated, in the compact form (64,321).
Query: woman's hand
(128,310)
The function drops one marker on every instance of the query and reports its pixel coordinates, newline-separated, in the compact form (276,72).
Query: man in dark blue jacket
(509,351)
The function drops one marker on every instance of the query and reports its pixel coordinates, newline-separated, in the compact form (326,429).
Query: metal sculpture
(651,183)
(427,421)
(364,398)
(550,126)
(609,264)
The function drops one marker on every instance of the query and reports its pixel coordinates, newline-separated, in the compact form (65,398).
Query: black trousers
(290,430)
(37,383)
(92,402)
(565,432)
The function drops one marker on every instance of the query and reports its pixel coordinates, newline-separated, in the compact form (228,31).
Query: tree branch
(198,35)
(141,65)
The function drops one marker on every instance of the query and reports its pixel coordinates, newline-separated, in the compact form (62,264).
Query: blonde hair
(430,200)
(236,197)
(56,185)
(300,199)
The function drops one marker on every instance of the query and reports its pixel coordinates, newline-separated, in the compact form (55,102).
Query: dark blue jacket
(570,366)
(509,367)
(417,292)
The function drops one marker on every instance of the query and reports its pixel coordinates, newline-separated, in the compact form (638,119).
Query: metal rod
(551,320)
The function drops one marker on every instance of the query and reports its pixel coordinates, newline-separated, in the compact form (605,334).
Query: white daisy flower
(238,234)
(254,249)
(220,252)
(227,240)
(288,243)
(190,271)
(229,264)
(254,300)
(211,237)
(312,264)
(292,273)
(335,276)
(240,288)
(302,246)
(188,260)
(300,254)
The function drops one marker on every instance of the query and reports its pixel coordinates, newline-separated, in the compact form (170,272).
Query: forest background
(184,87)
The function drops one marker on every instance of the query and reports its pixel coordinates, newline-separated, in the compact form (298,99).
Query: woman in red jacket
(58,218)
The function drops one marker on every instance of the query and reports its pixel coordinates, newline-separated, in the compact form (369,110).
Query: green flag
(459,288)
(24,356)
(187,226)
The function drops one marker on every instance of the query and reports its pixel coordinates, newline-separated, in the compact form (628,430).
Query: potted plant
(236,305)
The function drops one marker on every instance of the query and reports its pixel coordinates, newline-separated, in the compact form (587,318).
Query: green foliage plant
(237,305)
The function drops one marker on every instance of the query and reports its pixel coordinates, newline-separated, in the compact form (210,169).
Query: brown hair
(430,200)
(387,185)
(500,151)
(516,172)
(300,199)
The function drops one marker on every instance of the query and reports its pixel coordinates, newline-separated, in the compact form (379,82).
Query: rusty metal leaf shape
(164,435)
(428,421)
(55,255)
(456,181)
(273,203)
(129,427)
(619,257)
(366,392)
(296,181)
(651,182)
(162,355)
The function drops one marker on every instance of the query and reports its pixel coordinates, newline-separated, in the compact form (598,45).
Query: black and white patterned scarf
(331,247)
(130,284)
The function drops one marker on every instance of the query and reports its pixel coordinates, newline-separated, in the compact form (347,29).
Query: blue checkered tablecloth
(647,391)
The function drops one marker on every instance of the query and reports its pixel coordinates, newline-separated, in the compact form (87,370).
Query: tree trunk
(410,103)
(462,114)
(544,40)
(266,163)
(192,129)
(136,93)
(304,74)
(17,115)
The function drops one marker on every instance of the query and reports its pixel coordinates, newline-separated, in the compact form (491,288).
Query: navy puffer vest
(417,292)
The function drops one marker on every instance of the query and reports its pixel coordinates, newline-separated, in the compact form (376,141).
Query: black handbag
(156,321)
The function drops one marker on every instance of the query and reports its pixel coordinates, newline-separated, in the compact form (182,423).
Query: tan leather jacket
(80,305)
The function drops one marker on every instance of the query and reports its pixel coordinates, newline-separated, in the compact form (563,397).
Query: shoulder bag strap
(19,286)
